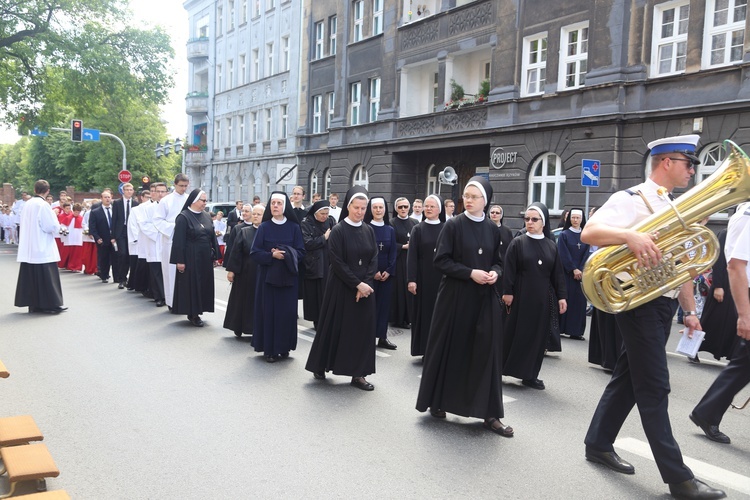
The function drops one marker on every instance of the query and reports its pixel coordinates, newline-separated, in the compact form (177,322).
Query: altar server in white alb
(39,285)
(165,213)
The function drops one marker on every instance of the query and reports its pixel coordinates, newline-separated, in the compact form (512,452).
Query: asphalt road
(136,403)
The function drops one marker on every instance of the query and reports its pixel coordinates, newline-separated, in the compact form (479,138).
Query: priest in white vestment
(165,213)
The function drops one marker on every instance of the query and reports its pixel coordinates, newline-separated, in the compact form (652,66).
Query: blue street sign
(590,170)
(90,134)
(38,132)
(121,185)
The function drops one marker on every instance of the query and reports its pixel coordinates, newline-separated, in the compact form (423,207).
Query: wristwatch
(690,313)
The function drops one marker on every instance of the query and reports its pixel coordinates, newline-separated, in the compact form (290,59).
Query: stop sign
(124,176)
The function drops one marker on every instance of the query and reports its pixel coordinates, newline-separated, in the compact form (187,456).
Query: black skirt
(39,286)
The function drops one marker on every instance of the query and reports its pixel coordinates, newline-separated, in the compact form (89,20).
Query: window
(359,178)
(319,36)
(355,94)
(217,134)
(230,74)
(313,183)
(219,21)
(432,180)
(256,8)
(547,183)
(285,53)
(670,38)
(284,120)
(711,157)
(202,25)
(725,32)
(228,136)
(241,132)
(271,4)
(243,69)
(254,126)
(327,183)
(574,48)
(359,13)
(269,59)
(437,102)
(230,16)
(243,14)
(219,76)
(377,17)
(269,124)
(331,104)
(256,65)
(534,71)
(317,100)
(332,27)
(374,98)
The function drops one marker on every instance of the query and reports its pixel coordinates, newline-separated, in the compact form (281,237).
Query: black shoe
(270,359)
(696,360)
(534,384)
(56,310)
(610,459)
(121,286)
(361,383)
(319,375)
(160,303)
(693,488)
(576,337)
(437,413)
(105,280)
(712,432)
(238,334)
(196,321)
(386,344)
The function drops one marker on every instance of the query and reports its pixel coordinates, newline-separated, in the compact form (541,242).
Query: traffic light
(76,130)
(145,183)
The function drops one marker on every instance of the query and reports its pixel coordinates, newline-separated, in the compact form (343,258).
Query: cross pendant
(381,246)
(579,245)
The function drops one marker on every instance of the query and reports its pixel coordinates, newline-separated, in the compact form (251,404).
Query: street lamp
(166,149)
(158,150)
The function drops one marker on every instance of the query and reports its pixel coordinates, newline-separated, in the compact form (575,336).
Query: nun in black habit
(242,274)
(344,342)
(194,252)
(316,228)
(385,237)
(573,255)
(277,249)
(462,370)
(402,305)
(534,294)
(423,277)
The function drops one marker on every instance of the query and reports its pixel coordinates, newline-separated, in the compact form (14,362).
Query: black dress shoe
(104,280)
(437,413)
(610,459)
(534,384)
(693,488)
(270,359)
(55,310)
(576,337)
(160,303)
(712,432)
(361,383)
(196,321)
(120,286)
(319,375)
(386,344)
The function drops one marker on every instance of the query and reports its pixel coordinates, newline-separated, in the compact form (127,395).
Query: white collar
(351,223)
(279,222)
(535,236)
(403,218)
(474,217)
(433,222)
(194,211)
(376,223)
(574,229)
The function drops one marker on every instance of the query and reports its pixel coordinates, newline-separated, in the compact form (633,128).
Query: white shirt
(39,225)
(220,226)
(335,212)
(416,217)
(167,211)
(148,235)
(738,236)
(625,210)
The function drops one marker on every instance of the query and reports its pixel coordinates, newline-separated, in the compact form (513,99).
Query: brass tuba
(614,282)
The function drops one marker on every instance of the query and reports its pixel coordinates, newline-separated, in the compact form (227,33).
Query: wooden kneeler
(18,430)
(27,463)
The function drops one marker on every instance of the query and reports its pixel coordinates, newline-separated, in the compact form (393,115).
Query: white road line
(219,301)
(711,473)
(703,361)
(308,335)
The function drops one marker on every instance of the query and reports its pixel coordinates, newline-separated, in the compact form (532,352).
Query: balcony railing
(196,103)
(196,157)
(197,48)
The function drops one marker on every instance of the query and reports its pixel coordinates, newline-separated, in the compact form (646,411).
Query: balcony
(196,103)
(196,156)
(197,49)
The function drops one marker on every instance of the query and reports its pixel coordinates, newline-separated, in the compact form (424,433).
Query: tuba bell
(614,282)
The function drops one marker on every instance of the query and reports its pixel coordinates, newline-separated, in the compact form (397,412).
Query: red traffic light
(145,179)
(76,130)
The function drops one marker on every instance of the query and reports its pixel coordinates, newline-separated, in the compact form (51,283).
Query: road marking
(712,362)
(308,334)
(711,473)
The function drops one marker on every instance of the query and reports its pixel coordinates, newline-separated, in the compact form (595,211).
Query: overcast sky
(173,17)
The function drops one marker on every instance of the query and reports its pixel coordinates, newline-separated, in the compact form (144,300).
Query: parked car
(214,207)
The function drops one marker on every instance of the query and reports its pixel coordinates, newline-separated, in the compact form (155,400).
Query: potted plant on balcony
(457,94)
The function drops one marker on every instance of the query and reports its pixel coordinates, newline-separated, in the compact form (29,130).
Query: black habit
(194,244)
(422,271)
(345,339)
(316,264)
(239,315)
(402,302)
(534,277)
(462,369)
(573,255)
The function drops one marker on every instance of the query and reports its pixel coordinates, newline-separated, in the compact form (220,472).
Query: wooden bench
(4,373)
(19,430)
(27,462)
(47,495)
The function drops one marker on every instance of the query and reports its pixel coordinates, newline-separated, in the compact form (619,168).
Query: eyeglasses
(532,219)
(403,207)
(686,160)
(204,200)
(472,197)
(494,213)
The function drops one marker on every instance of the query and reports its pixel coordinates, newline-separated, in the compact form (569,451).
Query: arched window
(313,183)
(431,180)
(547,182)
(359,177)
(711,157)
(266,187)
(247,195)
(327,188)
(216,189)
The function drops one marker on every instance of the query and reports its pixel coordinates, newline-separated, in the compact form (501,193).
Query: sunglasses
(495,213)
(403,207)
(532,219)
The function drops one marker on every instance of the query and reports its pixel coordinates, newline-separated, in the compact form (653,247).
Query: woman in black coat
(316,228)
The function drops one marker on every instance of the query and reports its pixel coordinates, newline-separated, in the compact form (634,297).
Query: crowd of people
(481,302)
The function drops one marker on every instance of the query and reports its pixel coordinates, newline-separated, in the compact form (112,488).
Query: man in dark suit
(234,216)
(125,262)
(100,228)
